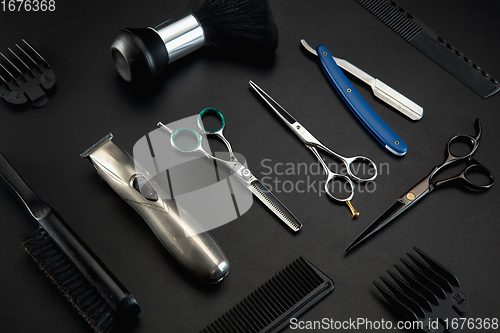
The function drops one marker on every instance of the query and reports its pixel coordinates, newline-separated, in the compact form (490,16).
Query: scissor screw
(324,53)
(246,174)
(396,142)
(348,89)
(410,196)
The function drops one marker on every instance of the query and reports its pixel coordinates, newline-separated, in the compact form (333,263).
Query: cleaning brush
(243,26)
(87,283)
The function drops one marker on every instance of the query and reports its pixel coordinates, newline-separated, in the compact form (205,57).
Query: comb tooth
(288,276)
(6,84)
(438,279)
(309,274)
(273,297)
(302,276)
(230,322)
(257,314)
(393,301)
(219,326)
(402,297)
(21,61)
(30,58)
(242,314)
(440,269)
(283,295)
(255,303)
(295,294)
(14,66)
(412,293)
(429,295)
(10,74)
(433,286)
(38,54)
(268,303)
(392,17)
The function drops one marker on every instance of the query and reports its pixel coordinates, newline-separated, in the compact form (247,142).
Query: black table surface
(458,228)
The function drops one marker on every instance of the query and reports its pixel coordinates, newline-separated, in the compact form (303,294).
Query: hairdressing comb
(25,76)
(270,307)
(429,294)
(433,46)
(87,283)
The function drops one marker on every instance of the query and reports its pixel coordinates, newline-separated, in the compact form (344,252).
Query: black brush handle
(18,188)
(77,251)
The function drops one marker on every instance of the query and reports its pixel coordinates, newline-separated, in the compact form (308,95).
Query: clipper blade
(427,292)
(25,76)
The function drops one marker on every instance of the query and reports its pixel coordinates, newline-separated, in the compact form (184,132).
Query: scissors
(241,172)
(427,185)
(314,145)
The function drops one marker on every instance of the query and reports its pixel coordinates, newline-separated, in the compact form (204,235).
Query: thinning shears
(427,184)
(314,145)
(242,173)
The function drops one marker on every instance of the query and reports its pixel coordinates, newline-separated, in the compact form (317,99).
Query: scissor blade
(275,205)
(402,204)
(283,114)
(397,208)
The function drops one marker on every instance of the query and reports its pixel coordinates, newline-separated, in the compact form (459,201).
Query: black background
(458,228)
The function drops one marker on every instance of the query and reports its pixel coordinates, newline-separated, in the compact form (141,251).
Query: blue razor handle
(371,120)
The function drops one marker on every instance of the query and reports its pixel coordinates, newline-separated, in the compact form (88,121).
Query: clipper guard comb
(25,76)
(427,292)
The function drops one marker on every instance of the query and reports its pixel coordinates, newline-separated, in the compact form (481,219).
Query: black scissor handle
(472,142)
(464,180)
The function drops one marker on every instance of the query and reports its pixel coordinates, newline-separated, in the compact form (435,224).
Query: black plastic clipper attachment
(25,76)
(425,291)
(270,307)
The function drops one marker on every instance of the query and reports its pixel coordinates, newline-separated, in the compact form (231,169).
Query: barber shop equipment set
(425,289)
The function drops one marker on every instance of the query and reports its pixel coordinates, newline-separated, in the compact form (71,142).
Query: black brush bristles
(70,281)
(87,283)
(240,25)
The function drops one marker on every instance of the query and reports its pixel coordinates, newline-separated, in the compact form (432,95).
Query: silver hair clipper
(200,253)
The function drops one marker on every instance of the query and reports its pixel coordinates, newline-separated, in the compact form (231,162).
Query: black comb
(25,76)
(270,307)
(427,292)
(78,273)
(432,45)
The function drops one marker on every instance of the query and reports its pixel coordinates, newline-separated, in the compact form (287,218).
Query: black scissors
(425,186)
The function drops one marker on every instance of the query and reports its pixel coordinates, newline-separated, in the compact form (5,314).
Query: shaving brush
(243,26)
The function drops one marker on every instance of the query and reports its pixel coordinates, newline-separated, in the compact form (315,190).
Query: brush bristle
(70,281)
(239,25)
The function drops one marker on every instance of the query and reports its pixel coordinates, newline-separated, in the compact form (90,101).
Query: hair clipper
(200,253)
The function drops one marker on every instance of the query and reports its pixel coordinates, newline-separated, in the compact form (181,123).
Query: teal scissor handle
(189,131)
(207,111)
